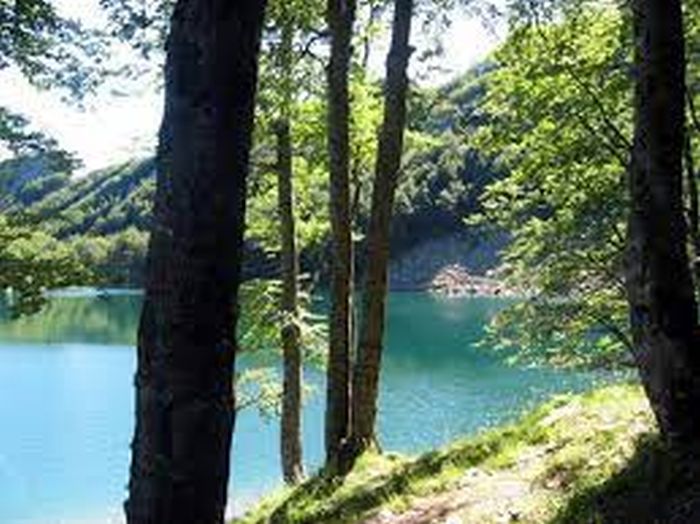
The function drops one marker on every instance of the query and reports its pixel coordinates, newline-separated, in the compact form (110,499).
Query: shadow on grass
(657,486)
(357,501)
(344,502)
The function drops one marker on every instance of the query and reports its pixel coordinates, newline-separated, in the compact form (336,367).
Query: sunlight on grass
(567,447)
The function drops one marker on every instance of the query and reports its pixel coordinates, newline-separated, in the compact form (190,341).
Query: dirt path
(527,487)
(483,496)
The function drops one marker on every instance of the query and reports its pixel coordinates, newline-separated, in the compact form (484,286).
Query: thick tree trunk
(186,343)
(290,435)
(367,367)
(660,289)
(341,16)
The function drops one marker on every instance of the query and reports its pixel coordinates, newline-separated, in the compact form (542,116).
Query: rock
(415,269)
(456,281)
(385,515)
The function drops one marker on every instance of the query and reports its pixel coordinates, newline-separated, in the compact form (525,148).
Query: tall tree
(691,190)
(290,433)
(340,17)
(186,342)
(369,353)
(663,309)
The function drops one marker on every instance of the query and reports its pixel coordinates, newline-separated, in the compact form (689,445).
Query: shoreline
(455,281)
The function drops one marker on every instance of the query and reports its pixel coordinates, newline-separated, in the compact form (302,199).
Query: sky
(113,128)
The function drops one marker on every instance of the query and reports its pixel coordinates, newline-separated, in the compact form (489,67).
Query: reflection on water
(98,318)
(66,386)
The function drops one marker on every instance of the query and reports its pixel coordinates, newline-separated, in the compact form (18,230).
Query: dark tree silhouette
(663,308)
(340,16)
(186,343)
(369,352)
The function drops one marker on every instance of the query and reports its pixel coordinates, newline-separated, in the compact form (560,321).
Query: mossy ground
(591,458)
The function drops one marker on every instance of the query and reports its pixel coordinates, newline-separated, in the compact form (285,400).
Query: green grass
(579,456)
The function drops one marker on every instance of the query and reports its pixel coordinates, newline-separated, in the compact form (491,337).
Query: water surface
(66,401)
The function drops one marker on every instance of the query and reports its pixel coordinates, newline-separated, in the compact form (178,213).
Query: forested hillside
(106,214)
(103,216)
(547,198)
(102,203)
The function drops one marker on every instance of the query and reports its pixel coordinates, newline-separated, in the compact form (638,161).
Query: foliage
(115,260)
(442,176)
(306,110)
(260,343)
(32,262)
(102,203)
(440,182)
(144,24)
(310,181)
(557,119)
(18,137)
(258,328)
(259,388)
(48,49)
(440,179)
(365,120)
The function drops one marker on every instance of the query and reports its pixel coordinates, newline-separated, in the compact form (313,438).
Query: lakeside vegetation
(593,457)
(284,156)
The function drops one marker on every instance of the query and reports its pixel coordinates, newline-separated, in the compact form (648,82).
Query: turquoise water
(66,401)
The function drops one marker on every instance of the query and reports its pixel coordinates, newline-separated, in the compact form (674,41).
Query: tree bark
(663,310)
(290,435)
(186,342)
(693,207)
(367,367)
(340,16)
(290,427)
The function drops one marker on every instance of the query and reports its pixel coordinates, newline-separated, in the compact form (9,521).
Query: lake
(66,401)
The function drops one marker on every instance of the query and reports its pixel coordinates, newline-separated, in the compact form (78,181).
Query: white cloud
(109,129)
(467,41)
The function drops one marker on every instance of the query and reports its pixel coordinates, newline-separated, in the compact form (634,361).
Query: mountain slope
(102,203)
(103,212)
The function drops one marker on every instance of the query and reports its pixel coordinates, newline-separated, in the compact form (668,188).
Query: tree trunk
(186,342)
(290,435)
(693,207)
(290,430)
(366,372)
(663,310)
(341,16)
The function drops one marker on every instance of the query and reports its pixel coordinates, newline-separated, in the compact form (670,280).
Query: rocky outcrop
(456,281)
(454,265)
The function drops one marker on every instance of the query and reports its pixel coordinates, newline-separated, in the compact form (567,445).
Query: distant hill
(107,214)
(102,203)
(442,184)
(26,180)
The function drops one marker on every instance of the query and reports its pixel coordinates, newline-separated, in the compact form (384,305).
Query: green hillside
(102,203)
(106,214)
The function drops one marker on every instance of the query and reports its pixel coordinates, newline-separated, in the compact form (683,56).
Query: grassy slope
(578,459)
